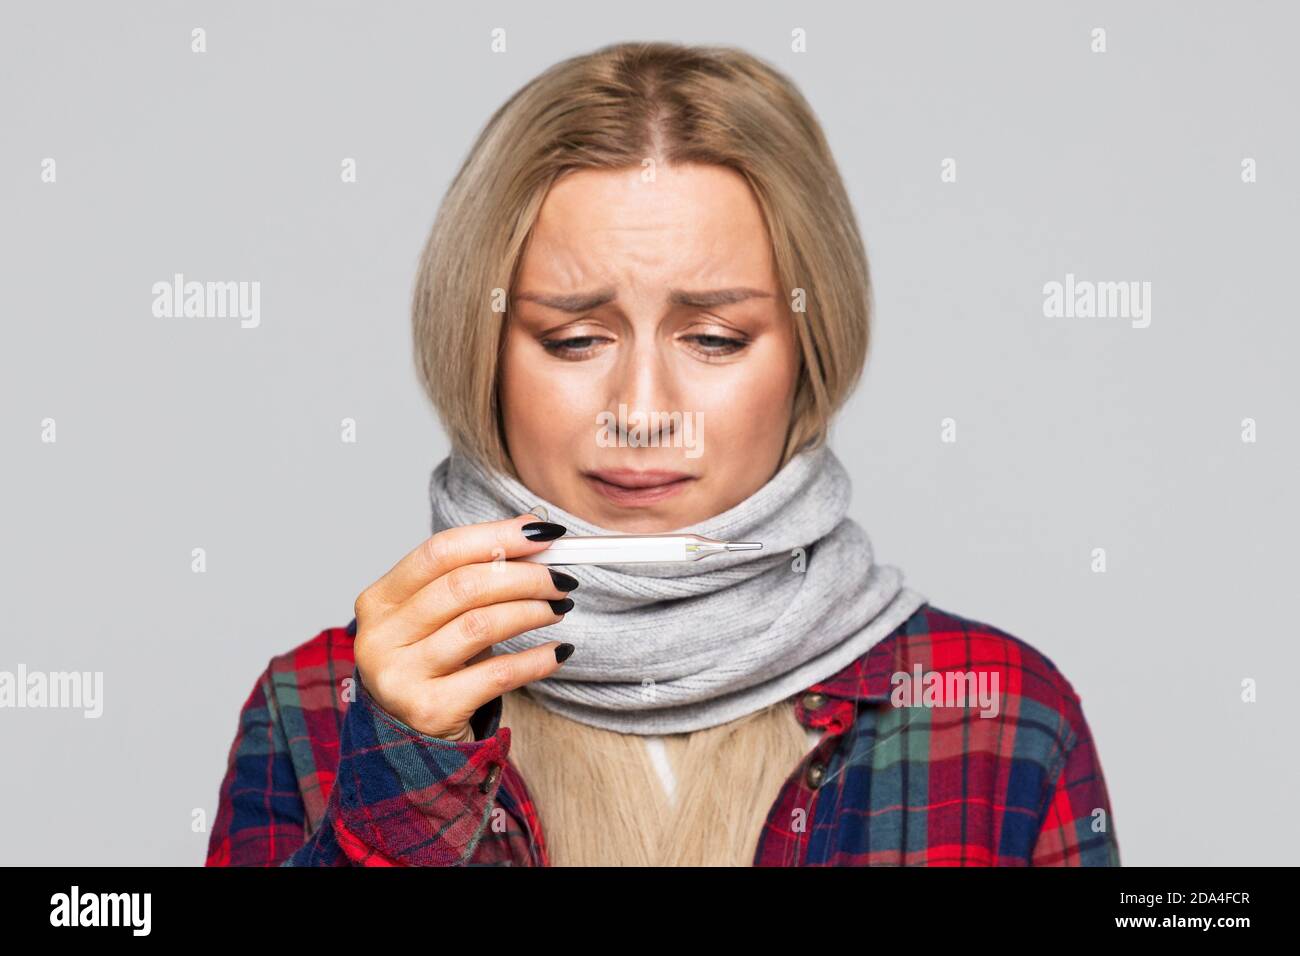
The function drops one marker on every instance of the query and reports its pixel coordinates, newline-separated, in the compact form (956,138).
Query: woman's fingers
(439,611)
(472,586)
(477,629)
(475,543)
(469,688)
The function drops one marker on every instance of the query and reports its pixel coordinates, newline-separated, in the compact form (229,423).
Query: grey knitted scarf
(671,648)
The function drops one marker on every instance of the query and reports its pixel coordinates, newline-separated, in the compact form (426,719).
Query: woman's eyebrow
(714,297)
(585,301)
(570,302)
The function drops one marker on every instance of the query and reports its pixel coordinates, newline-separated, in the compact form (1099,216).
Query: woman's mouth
(628,486)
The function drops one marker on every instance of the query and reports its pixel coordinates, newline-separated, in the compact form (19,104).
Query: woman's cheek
(568,412)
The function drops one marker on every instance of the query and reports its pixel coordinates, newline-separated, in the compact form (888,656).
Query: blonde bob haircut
(634,105)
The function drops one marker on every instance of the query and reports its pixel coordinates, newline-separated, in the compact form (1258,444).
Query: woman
(643,300)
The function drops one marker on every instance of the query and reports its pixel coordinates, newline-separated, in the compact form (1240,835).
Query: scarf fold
(673,648)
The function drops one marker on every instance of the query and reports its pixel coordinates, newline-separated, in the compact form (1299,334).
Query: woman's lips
(627,486)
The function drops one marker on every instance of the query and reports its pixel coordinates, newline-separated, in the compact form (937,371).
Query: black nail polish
(563,582)
(562,606)
(543,530)
(562,652)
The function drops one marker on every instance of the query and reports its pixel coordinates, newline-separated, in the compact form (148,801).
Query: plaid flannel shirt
(320,775)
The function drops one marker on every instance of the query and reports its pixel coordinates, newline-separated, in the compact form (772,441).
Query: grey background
(1073,433)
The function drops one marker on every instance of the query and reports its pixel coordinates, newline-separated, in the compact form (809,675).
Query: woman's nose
(645,394)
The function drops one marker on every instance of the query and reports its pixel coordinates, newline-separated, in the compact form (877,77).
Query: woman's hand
(425,630)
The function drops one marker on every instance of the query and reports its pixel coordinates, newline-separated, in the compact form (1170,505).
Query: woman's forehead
(697,228)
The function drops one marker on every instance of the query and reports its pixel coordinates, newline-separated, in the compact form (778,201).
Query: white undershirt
(659,758)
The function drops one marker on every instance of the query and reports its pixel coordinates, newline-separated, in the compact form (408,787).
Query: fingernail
(563,582)
(543,530)
(562,652)
(562,606)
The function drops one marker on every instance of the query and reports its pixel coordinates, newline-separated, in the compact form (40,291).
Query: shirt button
(816,773)
(491,778)
(813,701)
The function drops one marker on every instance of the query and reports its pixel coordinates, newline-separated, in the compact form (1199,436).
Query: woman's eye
(571,346)
(580,345)
(718,344)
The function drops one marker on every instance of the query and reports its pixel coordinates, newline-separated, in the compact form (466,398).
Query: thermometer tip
(744,546)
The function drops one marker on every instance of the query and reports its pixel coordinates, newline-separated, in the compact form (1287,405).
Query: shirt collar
(831,704)
(866,678)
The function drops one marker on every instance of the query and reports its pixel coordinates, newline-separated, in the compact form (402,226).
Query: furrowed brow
(715,297)
(576,302)
(571,302)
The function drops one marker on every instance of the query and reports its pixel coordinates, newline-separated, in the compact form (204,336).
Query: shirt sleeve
(1078,828)
(398,798)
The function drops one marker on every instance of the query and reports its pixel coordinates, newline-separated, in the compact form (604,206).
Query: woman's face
(650,360)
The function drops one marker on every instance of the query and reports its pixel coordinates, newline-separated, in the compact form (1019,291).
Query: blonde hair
(615,108)
(601,803)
